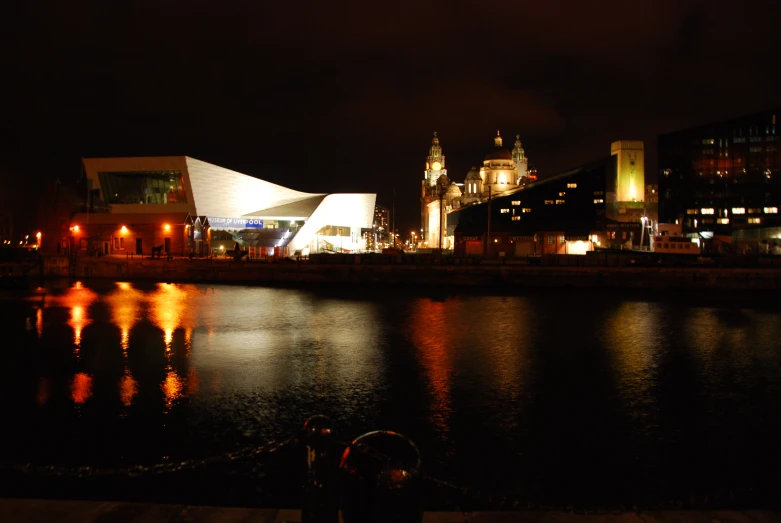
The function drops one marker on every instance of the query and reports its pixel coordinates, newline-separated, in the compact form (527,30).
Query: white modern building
(187,205)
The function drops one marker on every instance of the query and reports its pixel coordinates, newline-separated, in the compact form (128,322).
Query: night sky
(344,95)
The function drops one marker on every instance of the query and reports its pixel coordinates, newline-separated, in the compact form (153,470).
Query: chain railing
(167,467)
(376,477)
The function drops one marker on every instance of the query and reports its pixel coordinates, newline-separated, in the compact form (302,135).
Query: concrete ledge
(67,511)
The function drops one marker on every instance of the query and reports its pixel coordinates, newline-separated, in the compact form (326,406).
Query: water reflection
(81,388)
(39,321)
(44,389)
(78,300)
(126,310)
(529,383)
(432,336)
(172,387)
(128,388)
(168,306)
(634,334)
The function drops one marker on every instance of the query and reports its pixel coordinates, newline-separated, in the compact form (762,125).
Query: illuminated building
(502,171)
(597,205)
(186,205)
(722,179)
(380,228)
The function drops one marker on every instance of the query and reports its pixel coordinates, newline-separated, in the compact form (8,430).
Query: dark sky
(343,95)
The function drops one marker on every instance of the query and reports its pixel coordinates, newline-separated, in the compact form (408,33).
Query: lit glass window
(723,221)
(504,211)
(516,202)
(755,210)
(147,187)
(691,211)
(562,193)
(572,186)
(755,220)
(527,209)
(516,218)
(548,202)
(599,200)
(738,210)
(559,202)
(706,211)
(771,210)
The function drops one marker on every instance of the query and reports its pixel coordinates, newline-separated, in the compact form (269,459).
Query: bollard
(382,480)
(318,504)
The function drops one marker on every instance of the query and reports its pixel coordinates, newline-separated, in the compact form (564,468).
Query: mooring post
(319,499)
(382,480)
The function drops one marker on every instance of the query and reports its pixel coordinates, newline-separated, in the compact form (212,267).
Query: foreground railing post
(382,478)
(319,501)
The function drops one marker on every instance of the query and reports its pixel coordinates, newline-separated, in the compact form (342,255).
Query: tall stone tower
(430,189)
(520,161)
(630,170)
(435,163)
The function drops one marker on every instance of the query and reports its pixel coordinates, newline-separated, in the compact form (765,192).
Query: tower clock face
(436,166)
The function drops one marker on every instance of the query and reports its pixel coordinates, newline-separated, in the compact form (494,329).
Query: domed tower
(453,196)
(520,161)
(473,186)
(498,170)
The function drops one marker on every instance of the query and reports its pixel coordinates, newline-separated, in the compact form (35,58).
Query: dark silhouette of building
(721,177)
(562,214)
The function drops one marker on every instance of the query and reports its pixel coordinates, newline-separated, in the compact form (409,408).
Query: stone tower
(520,161)
(630,170)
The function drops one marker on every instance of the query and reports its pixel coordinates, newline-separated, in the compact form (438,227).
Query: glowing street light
(123,229)
(167,227)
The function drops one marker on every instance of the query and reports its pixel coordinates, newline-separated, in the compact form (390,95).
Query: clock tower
(435,181)
(435,163)
(520,161)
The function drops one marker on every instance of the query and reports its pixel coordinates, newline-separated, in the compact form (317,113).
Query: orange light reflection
(81,388)
(78,299)
(128,388)
(168,307)
(172,388)
(430,334)
(39,322)
(126,308)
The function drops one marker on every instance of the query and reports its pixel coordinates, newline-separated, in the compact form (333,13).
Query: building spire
(435,151)
(498,139)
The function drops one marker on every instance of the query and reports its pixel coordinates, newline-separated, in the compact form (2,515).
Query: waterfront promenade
(486,274)
(45,511)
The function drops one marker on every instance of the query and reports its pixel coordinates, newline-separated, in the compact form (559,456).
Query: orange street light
(75,228)
(38,235)
(167,227)
(123,229)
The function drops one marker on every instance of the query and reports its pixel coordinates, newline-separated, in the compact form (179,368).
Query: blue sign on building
(235,223)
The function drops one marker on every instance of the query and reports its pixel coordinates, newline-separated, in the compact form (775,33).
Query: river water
(568,398)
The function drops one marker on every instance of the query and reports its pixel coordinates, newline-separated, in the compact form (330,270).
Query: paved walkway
(46,511)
